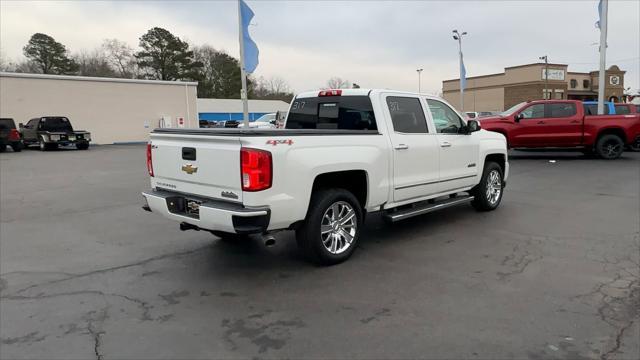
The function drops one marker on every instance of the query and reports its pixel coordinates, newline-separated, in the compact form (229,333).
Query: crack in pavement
(617,301)
(96,333)
(146,308)
(114,268)
(518,260)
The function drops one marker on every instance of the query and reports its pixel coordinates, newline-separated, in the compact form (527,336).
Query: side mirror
(272,122)
(20,125)
(473,126)
(518,117)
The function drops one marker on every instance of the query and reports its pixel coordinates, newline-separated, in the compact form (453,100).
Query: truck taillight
(14,135)
(256,169)
(149,160)
(330,93)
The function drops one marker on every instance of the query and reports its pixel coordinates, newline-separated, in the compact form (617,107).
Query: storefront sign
(554,74)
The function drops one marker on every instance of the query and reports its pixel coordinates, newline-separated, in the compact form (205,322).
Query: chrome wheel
(338,227)
(612,148)
(494,187)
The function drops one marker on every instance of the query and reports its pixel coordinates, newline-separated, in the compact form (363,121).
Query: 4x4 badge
(189,169)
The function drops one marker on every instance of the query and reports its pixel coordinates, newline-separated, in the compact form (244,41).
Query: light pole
(546,75)
(419,71)
(458,36)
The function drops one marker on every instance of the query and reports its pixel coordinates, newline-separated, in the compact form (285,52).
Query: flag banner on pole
(250,48)
(599,14)
(463,74)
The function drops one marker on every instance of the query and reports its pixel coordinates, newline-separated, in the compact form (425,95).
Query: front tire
(330,232)
(609,147)
(82,146)
(488,193)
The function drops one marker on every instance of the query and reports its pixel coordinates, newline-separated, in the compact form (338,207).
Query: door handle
(541,122)
(575,121)
(445,144)
(401,147)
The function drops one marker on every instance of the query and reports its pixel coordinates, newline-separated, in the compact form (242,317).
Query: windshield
(266,118)
(512,109)
(7,124)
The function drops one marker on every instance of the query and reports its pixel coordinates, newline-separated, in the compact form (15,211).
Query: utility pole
(463,81)
(603,54)
(546,76)
(419,71)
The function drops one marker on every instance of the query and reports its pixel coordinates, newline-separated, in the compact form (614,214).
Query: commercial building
(113,110)
(497,92)
(213,110)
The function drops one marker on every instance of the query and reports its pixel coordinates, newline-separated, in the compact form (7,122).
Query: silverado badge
(189,169)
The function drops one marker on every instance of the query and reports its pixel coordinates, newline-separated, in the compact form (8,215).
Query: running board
(426,208)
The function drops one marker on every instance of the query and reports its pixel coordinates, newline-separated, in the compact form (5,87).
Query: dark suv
(49,132)
(9,135)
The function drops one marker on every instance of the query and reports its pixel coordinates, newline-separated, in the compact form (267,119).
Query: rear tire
(609,147)
(488,193)
(82,146)
(3,148)
(17,146)
(329,234)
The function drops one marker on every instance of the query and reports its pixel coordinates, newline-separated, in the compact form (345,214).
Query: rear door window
(592,109)
(622,109)
(407,115)
(332,112)
(561,110)
(7,124)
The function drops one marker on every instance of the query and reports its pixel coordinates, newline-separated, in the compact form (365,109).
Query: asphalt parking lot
(85,273)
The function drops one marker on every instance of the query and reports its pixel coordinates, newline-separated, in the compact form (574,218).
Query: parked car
(563,124)
(9,135)
(342,154)
(49,132)
(266,121)
(470,115)
(482,114)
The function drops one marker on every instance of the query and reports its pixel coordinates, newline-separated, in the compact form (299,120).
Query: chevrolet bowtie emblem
(189,169)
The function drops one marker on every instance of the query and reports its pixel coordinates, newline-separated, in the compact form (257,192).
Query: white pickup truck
(342,154)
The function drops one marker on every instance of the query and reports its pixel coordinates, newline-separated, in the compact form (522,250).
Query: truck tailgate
(208,166)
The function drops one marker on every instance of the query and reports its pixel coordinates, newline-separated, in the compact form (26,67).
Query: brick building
(496,92)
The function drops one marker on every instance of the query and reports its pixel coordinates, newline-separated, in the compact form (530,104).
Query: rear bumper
(213,215)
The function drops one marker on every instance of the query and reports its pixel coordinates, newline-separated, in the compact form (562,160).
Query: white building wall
(113,110)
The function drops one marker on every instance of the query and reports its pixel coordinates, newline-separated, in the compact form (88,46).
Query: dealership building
(118,110)
(497,92)
(113,110)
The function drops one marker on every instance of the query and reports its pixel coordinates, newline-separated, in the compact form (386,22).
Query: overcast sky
(377,44)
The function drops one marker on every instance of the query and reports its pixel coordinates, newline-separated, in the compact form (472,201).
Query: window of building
(574,83)
(558,94)
(407,115)
(546,94)
(561,110)
(585,84)
(446,120)
(535,111)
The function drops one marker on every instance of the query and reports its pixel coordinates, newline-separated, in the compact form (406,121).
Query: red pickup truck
(563,124)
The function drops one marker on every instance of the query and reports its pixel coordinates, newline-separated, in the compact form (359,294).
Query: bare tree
(337,83)
(274,88)
(120,56)
(94,63)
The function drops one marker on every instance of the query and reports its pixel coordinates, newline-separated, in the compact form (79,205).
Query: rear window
(592,109)
(6,124)
(332,112)
(55,124)
(622,109)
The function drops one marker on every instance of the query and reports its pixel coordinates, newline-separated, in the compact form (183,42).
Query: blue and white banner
(250,48)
